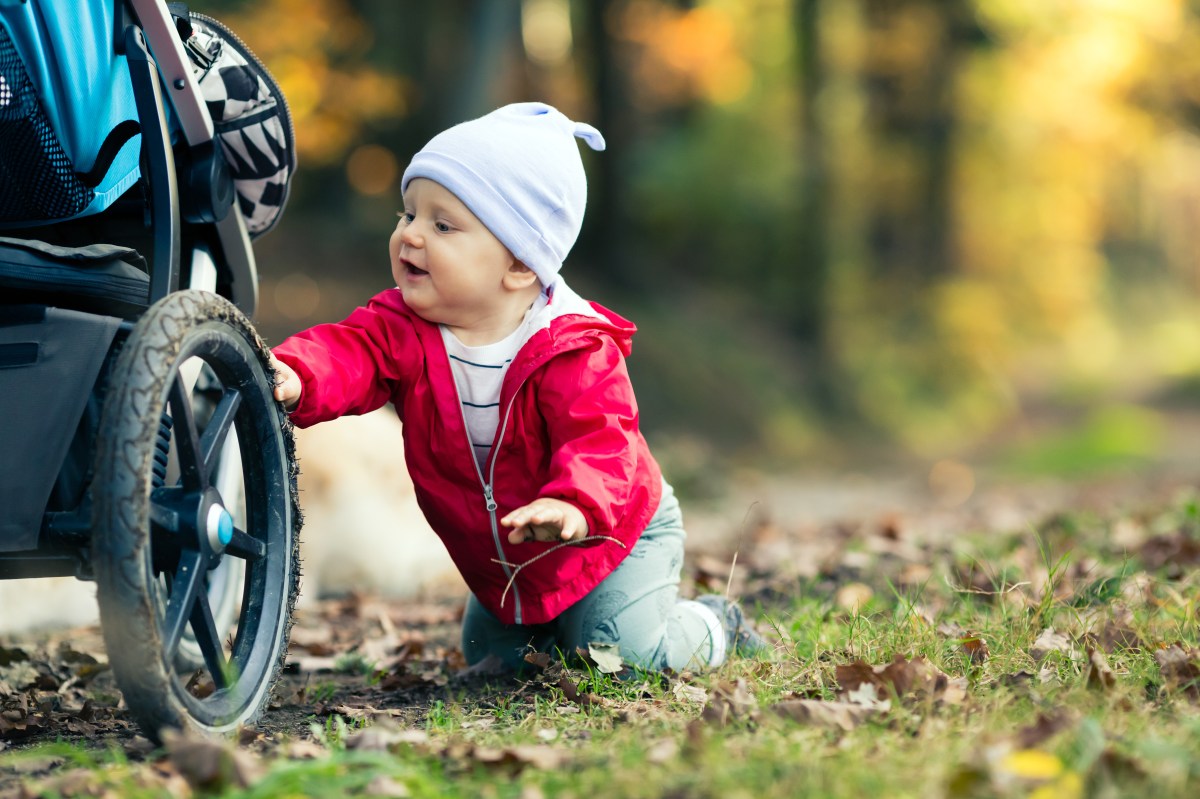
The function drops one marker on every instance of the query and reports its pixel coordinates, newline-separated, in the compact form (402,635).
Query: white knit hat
(518,169)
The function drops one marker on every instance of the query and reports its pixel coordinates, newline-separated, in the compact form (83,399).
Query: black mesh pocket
(37,180)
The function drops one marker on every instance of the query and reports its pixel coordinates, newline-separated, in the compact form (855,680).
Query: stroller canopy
(61,53)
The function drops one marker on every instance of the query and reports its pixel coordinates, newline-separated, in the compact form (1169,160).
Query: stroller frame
(177,490)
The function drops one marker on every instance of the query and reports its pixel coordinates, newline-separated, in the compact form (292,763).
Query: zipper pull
(487,495)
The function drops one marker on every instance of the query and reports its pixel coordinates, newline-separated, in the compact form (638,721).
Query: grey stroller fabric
(101,278)
(49,361)
(251,119)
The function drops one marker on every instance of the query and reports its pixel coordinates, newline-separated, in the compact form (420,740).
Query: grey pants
(636,607)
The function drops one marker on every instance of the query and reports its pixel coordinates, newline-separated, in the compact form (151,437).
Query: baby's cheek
(394,254)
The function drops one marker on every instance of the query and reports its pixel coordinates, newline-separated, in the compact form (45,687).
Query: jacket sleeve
(592,418)
(353,366)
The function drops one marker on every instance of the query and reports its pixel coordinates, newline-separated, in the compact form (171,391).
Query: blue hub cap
(225,527)
(219,527)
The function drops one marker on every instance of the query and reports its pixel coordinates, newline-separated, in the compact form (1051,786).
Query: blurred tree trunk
(605,233)
(912,110)
(813,223)
(462,46)
(809,280)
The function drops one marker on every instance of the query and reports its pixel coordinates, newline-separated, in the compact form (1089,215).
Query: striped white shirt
(479,374)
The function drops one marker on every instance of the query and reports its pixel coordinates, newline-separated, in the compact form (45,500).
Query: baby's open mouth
(413,271)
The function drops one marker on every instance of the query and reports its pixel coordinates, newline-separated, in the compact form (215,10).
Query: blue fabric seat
(64,53)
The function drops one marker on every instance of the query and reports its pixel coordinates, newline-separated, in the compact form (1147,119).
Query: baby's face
(448,265)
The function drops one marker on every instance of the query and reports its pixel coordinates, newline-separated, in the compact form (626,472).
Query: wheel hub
(219,527)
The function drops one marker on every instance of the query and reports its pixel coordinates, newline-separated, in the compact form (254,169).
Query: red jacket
(568,429)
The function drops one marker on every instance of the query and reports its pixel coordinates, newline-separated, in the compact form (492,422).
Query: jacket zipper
(488,497)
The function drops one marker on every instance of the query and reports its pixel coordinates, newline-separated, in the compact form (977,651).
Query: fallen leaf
(516,758)
(662,751)
(853,596)
(607,657)
(977,649)
(383,785)
(867,695)
(900,678)
(305,750)
(1117,634)
(1173,553)
(386,737)
(1050,641)
(1099,675)
(689,693)
(833,715)
(1180,669)
(211,765)
(1043,728)
(729,701)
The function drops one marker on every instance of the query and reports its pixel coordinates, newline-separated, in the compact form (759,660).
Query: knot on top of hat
(590,135)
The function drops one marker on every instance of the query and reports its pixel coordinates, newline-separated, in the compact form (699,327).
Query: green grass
(1134,733)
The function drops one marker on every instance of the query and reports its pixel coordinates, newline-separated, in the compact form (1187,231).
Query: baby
(520,423)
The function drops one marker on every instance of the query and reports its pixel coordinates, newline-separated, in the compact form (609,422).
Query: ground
(1031,637)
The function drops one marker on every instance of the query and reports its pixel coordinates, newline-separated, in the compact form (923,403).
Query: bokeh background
(849,230)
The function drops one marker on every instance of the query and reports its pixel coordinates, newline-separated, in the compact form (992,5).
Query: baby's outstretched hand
(546,519)
(287,384)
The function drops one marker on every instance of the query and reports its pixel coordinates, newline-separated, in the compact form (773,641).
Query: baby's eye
(405,217)
(442,227)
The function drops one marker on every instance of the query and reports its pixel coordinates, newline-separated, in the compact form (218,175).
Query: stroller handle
(159,27)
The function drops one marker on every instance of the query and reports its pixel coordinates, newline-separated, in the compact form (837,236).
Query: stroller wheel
(167,524)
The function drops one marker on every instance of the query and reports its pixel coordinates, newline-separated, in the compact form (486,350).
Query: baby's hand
(287,384)
(546,519)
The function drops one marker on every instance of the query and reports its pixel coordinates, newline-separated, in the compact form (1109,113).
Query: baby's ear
(519,276)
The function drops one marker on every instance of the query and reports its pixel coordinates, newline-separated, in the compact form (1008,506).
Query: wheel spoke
(218,427)
(192,468)
(164,518)
(187,585)
(163,504)
(209,639)
(245,546)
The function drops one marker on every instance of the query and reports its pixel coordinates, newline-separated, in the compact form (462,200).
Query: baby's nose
(411,236)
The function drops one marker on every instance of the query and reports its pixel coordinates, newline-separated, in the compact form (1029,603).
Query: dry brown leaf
(305,750)
(210,765)
(1050,641)
(833,715)
(1099,675)
(1174,553)
(516,758)
(662,752)
(1043,728)
(693,694)
(1180,669)
(900,678)
(571,692)
(386,737)
(977,649)
(853,596)
(1116,633)
(729,701)
(383,785)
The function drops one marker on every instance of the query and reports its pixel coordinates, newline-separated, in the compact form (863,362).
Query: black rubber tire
(138,535)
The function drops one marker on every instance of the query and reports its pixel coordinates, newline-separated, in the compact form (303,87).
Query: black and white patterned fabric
(251,119)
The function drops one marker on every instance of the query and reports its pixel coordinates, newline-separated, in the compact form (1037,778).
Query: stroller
(140,443)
